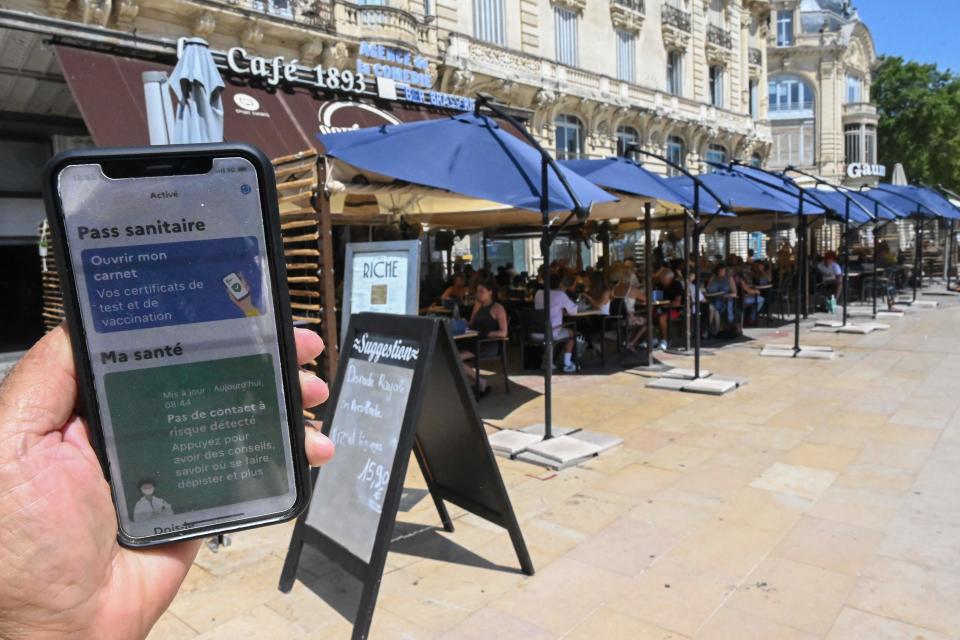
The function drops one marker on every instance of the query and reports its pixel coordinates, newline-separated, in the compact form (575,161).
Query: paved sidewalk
(819,501)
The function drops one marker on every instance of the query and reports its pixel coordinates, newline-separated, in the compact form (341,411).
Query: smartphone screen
(173,280)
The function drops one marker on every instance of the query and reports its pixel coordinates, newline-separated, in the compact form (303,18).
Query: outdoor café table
(435,308)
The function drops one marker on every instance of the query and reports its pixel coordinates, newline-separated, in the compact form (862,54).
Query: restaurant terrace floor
(818,501)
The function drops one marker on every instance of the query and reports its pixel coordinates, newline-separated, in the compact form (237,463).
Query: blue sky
(922,30)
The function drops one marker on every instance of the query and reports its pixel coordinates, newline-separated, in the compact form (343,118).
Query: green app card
(196,436)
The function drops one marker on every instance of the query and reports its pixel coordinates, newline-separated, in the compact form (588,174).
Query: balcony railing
(676,18)
(719,37)
(381,21)
(634,5)
(755,56)
(305,12)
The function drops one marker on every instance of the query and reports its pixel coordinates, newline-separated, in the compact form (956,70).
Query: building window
(627,136)
(626,55)
(675,154)
(717,15)
(756,160)
(675,72)
(870,144)
(488,21)
(793,144)
(755,99)
(716,86)
(789,97)
(854,94)
(565,22)
(716,154)
(784,28)
(569,137)
(851,134)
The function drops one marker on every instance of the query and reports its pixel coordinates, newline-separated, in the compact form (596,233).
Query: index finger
(309,345)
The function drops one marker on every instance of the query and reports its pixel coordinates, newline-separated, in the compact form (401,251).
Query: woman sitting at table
(489,320)
(721,290)
(456,292)
(635,320)
(752,297)
(598,296)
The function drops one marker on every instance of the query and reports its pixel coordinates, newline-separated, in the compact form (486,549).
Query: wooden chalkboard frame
(438,364)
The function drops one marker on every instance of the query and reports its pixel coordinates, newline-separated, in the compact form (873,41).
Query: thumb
(40,393)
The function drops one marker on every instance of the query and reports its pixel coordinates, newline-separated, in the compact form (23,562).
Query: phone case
(88,404)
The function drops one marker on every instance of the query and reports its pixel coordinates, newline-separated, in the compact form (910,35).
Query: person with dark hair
(457,291)
(489,320)
(722,290)
(560,303)
(832,273)
(667,289)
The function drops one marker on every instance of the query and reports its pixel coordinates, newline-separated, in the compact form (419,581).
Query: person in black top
(489,320)
(666,289)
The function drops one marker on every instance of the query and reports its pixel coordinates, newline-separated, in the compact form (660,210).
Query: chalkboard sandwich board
(400,388)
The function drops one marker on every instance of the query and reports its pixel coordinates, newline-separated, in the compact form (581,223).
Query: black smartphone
(174,286)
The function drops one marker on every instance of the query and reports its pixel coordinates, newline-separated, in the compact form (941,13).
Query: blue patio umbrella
(466,154)
(838,205)
(626,176)
(470,154)
(880,210)
(743,195)
(927,203)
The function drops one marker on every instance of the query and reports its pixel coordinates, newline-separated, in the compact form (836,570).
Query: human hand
(62,573)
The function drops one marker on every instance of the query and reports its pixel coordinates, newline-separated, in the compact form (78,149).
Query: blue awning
(839,203)
(627,176)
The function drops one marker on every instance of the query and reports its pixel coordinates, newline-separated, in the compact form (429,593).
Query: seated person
(489,320)
(668,289)
(560,302)
(598,296)
(456,292)
(831,272)
(636,322)
(721,290)
(691,296)
(752,297)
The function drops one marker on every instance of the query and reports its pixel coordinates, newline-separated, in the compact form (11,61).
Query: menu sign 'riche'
(367,420)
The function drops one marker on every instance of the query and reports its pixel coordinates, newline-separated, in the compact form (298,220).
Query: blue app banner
(158,285)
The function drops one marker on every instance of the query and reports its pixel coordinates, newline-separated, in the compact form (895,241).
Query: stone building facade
(819,61)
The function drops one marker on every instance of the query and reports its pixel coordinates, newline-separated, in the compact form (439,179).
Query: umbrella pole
(483,241)
(916,255)
(686,280)
(948,250)
(876,249)
(805,272)
(548,328)
(648,279)
(846,258)
(696,285)
(801,232)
